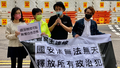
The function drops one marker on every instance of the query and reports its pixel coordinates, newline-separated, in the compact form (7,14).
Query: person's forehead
(58,7)
(38,12)
(18,10)
(88,10)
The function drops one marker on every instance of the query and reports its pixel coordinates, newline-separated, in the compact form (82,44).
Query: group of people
(58,27)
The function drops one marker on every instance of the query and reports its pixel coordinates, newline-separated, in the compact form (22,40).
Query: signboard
(4,21)
(29,31)
(27,4)
(3,4)
(101,4)
(66,4)
(46,4)
(85,4)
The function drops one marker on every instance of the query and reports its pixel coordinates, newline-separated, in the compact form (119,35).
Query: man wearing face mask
(37,14)
(59,24)
(86,26)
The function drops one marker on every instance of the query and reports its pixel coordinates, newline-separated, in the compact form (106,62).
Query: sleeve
(50,22)
(97,31)
(69,22)
(74,30)
(48,31)
(8,34)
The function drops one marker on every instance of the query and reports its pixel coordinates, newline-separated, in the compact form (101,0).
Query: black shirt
(59,32)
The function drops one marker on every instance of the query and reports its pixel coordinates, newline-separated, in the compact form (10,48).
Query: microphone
(58,17)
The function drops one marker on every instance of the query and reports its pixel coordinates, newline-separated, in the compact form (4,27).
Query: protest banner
(82,52)
(29,31)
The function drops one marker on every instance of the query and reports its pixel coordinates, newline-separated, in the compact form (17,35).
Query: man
(86,26)
(59,24)
(37,14)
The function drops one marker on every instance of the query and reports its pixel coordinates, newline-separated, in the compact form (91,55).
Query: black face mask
(88,16)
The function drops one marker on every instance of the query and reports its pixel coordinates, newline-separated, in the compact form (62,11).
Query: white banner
(29,31)
(60,55)
(81,52)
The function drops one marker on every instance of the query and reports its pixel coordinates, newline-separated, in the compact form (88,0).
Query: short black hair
(60,4)
(36,10)
(13,13)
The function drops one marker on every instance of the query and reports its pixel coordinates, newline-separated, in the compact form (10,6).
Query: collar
(86,20)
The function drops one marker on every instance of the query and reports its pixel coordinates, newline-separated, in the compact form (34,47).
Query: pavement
(113,29)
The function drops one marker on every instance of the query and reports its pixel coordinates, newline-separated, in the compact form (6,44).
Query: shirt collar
(87,21)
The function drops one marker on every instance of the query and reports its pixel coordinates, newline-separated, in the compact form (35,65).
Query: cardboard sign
(30,31)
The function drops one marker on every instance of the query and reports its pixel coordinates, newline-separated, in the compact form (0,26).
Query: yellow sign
(118,19)
(47,20)
(85,4)
(66,4)
(3,4)
(118,4)
(27,20)
(101,20)
(4,21)
(46,4)
(101,4)
(27,4)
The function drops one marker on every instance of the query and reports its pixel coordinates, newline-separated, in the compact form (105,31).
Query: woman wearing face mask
(59,24)
(37,13)
(15,48)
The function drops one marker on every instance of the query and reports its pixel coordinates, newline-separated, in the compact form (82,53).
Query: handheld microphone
(58,17)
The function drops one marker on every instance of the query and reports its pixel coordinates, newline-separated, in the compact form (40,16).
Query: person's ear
(84,13)
(63,10)
(34,16)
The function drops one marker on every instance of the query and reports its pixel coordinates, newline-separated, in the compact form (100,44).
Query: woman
(15,48)
(37,14)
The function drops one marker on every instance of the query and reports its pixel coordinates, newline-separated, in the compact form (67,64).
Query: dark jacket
(79,28)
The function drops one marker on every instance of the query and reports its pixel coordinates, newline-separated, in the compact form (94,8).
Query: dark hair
(91,8)
(36,10)
(13,13)
(60,4)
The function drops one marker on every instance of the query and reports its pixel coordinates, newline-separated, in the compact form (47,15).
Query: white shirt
(86,31)
(10,34)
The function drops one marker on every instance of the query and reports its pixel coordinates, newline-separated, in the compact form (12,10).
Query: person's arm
(52,25)
(67,28)
(48,31)
(74,30)
(8,34)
